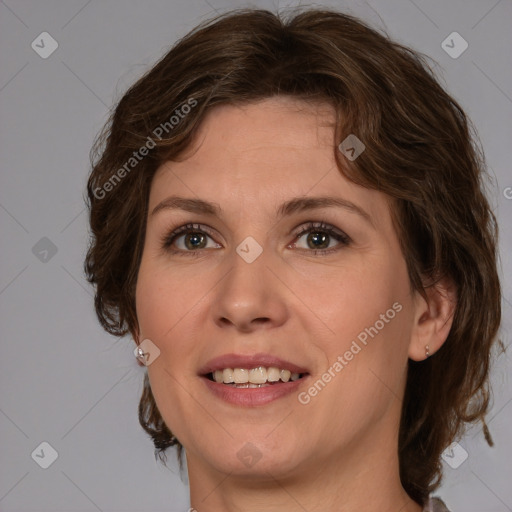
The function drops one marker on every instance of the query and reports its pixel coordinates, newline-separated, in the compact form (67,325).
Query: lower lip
(250,397)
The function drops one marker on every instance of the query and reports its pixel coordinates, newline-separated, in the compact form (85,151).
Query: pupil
(192,238)
(318,237)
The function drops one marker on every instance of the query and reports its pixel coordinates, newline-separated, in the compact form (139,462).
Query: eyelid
(340,236)
(321,226)
(169,237)
(305,227)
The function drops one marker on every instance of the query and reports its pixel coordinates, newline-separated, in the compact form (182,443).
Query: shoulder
(435,505)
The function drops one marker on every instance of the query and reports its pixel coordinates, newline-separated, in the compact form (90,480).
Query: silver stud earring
(140,355)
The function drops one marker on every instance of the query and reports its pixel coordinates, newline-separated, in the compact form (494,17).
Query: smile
(253,378)
(250,380)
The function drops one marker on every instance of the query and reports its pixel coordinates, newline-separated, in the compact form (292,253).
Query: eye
(188,238)
(320,236)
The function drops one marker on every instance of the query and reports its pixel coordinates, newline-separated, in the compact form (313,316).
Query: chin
(255,456)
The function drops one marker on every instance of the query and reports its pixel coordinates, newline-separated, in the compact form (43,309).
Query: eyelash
(341,237)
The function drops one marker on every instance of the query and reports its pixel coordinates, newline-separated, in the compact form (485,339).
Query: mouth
(251,380)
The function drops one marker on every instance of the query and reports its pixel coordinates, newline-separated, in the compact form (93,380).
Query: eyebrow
(295,205)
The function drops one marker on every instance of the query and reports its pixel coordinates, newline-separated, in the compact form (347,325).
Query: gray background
(64,380)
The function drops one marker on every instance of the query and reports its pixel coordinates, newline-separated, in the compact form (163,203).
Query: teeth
(249,385)
(254,377)
(285,375)
(241,375)
(258,375)
(273,374)
(227,376)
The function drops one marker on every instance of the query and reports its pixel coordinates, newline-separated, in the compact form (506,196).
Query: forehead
(278,132)
(269,125)
(266,151)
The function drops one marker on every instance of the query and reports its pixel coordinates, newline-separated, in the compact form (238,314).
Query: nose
(250,296)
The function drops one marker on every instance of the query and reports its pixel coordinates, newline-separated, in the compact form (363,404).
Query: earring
(427,353)
(140,355)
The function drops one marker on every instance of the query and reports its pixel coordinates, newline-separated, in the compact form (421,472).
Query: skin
(339,451)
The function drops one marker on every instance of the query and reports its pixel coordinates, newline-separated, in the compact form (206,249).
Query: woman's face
(274,276)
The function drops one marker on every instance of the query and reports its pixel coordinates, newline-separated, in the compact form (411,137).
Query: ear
(433,318)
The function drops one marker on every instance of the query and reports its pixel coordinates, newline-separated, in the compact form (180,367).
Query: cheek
(151,302)
(171,313)
(163,300)
(366,307)
(163,309)
(352,296)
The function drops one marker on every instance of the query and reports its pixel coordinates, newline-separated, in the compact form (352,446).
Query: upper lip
(249,362)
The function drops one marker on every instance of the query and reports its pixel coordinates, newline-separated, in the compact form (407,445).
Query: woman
(288,218)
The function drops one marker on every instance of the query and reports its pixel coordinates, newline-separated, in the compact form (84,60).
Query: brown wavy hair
(421,150)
